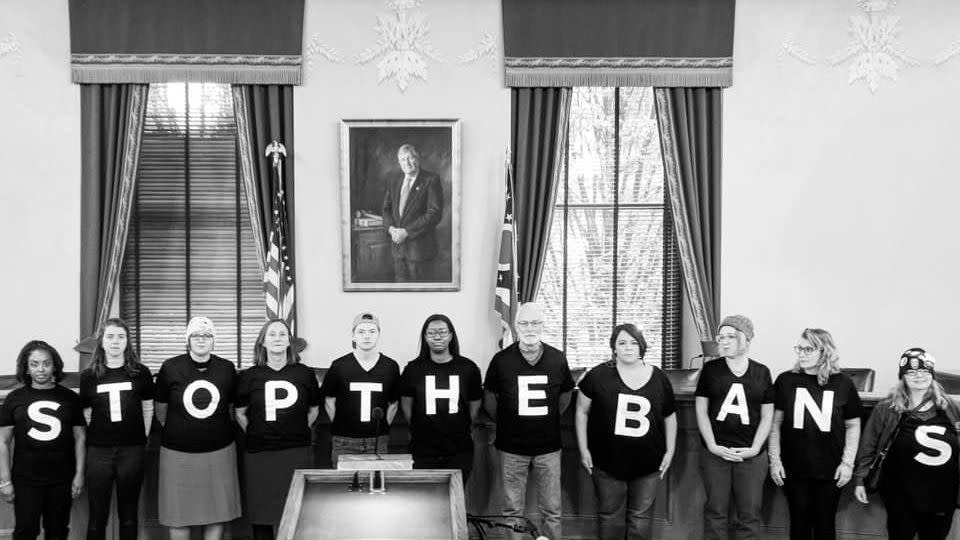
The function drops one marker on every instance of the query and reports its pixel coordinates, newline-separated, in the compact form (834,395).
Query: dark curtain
(690,134)
(265,113)
(111,124)
(538,136)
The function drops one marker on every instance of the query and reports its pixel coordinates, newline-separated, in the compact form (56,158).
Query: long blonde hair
(829,362)
(900,396)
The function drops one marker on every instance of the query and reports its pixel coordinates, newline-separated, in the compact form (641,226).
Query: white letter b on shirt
(632,409)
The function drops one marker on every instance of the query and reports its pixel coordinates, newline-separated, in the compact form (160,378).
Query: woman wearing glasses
(440,394)
(813,442)
(734,406)
(920,477)
(198,457)
(626,427)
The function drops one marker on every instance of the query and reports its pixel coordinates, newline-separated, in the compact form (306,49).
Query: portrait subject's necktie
(404,193)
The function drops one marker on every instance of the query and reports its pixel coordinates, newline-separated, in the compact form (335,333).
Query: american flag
(278,275)
(505,301)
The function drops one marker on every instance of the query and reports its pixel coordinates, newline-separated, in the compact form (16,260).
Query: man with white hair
(527,388)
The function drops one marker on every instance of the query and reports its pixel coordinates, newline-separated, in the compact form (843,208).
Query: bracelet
(5,484)
(847,464)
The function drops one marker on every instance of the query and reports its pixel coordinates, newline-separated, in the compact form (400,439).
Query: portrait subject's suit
(412,259)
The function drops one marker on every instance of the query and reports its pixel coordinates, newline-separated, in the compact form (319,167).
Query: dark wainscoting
(678,513)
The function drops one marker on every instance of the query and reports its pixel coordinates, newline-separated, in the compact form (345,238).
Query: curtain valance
(666,43)
(148,41)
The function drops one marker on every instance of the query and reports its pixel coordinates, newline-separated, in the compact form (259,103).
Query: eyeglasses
(917,372)
(801,349)
(437,333)
(726,337)
(525,324)
(201,337)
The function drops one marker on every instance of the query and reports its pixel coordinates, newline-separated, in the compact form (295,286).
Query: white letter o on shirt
(192,409)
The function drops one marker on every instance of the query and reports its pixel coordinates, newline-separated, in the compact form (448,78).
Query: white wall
(332,91)
(40,184)
(837,201)
(839,204)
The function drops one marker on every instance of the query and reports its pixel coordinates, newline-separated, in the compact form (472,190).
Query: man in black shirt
(528,387)
(360,393)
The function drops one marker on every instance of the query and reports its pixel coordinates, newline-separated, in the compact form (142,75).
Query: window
(190,248)
(612,257)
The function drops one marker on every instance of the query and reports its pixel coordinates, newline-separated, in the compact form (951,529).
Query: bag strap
(896,430)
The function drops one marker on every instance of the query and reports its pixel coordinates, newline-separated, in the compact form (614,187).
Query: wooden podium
(397,503)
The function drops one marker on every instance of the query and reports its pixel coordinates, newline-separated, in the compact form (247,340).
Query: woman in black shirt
(116,392)
(920,478)
(734,407)
(813,441)
(45,422)
(626,427)
(278,399)
(198,483)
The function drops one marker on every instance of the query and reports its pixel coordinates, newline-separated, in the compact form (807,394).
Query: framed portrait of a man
(400,205)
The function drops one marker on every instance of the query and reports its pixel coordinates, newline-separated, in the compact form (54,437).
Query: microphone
(377,418)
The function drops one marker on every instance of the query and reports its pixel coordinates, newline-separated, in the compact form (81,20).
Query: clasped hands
(398,235)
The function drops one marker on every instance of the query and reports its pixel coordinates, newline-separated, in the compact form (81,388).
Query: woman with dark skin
(45,421)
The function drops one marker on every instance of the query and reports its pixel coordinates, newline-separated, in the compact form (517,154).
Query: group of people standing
(803,430)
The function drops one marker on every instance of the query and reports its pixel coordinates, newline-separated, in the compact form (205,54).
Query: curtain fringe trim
(225,74)
(586,76)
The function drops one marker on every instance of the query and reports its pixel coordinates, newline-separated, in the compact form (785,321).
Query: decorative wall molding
(485,48)
(874,50)
(10,47)
(791,48)
(403,47)
(947,54)
(317,49)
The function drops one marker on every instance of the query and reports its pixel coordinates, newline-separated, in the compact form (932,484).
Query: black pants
(106,466)
(904,522)
(51,503)
(813,508)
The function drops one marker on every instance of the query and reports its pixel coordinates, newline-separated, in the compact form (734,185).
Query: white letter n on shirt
(821,416)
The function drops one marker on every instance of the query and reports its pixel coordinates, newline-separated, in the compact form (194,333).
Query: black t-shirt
(626,431)
(198,412)
(278,403)
(358,392)
(528,399)
(42,421)
(813,430)
(115,401)
(923,462)
(734,402)
(440,423)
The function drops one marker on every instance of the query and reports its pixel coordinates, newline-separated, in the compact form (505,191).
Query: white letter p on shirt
(272,402)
